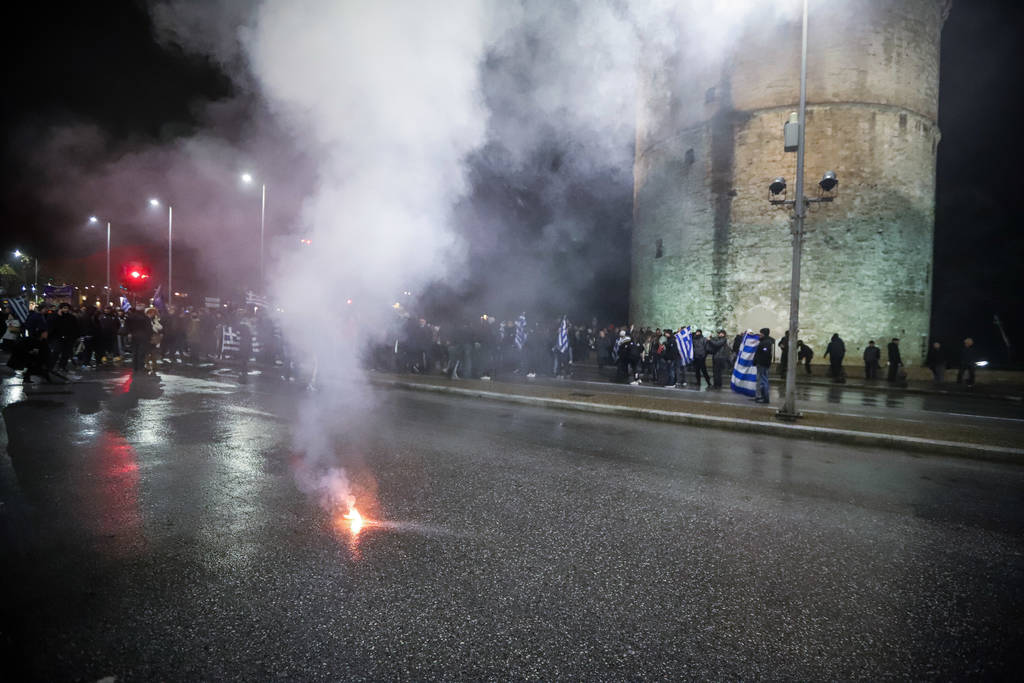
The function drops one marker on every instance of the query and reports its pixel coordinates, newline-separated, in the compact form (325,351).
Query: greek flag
(563,335)
(19,308)
(158,300)
(744,375)
(253,299)
(231,340)
(125,304)
(521,331)
(684,341)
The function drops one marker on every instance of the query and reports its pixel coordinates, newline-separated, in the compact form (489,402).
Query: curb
(845,436)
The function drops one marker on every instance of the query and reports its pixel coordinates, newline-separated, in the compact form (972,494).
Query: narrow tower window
(659,250)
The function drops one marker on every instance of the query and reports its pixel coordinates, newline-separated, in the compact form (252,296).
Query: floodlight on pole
(154,202)
(248,178)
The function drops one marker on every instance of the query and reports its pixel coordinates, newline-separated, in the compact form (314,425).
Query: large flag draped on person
(20,308)
(684,340)
(125,304)
(521,331)
(563,335)
(744,375)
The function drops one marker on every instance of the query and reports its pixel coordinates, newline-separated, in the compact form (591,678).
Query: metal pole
(170,224)
(263,214)
(789,410)
(108,263)
(36,286)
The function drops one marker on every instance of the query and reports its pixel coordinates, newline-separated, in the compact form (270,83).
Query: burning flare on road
(354,520)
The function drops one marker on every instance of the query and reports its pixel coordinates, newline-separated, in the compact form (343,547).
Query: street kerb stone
(613,405)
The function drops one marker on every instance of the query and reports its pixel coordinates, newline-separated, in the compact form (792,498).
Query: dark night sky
(99,62)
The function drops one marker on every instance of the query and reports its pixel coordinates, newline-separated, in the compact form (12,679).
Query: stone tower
(708,248)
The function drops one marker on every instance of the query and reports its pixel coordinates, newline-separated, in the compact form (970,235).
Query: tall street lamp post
(793,134)
(94,219)
(247,179)
(170,243)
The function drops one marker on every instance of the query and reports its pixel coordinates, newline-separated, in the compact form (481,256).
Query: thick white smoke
(385,98)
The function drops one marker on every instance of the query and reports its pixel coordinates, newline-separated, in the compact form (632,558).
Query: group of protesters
(52,341)
(484,348)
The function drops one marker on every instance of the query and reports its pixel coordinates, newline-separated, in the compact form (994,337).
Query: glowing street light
(95,219)
(154,202)
(247,178)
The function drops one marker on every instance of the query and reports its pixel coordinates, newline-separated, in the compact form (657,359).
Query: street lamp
(155,203)
(793,140)
(24,258)
(94,219)
(248,179)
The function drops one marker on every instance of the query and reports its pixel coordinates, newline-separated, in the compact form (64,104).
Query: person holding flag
(744,375)
(562,350)
(684,342)
(520,342)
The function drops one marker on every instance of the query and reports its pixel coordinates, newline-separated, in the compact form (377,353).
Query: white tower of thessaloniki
(708,248)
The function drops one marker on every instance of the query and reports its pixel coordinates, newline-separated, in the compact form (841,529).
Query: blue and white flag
(744,375)
(125,304)
(231,341)
(19,307)
(521,331)
(563,335)
(253,299)
(158,300)
(684,340)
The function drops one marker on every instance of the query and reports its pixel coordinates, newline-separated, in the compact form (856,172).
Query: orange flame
(355,519)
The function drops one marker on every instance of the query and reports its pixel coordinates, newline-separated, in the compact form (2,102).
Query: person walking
(895,360)
(140,329)
(968,358)
(836,352)
(872,356)
(935,362)
(763,357)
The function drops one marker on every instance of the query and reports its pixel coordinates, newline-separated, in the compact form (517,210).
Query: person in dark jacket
(63,333)
(784,354)
(700,357)
(763,357)
(721,358)
(836,352)
(141,330)
(804,354)
(968,358)
(670,357)
(872,356)
(895,361)
(936,362)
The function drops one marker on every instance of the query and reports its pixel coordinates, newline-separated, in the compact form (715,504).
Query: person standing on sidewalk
(721,358)
(872,356)
(835,352)
(784,354)
(935,362)
(968,357)
(700,356)
(895,360)
(763,357)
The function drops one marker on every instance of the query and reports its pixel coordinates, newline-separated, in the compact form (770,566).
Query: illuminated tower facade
(709,250)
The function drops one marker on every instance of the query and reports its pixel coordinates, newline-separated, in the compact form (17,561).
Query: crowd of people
(488,347)
(58,339)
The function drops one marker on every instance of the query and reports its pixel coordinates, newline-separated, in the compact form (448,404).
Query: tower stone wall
(708,248)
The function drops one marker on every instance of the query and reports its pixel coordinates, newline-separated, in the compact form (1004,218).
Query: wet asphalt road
(154,530)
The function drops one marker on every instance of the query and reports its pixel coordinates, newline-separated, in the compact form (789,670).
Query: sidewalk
(1005,385)
(1002,442)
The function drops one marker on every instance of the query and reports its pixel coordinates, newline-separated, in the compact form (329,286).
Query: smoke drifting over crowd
(476,154)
